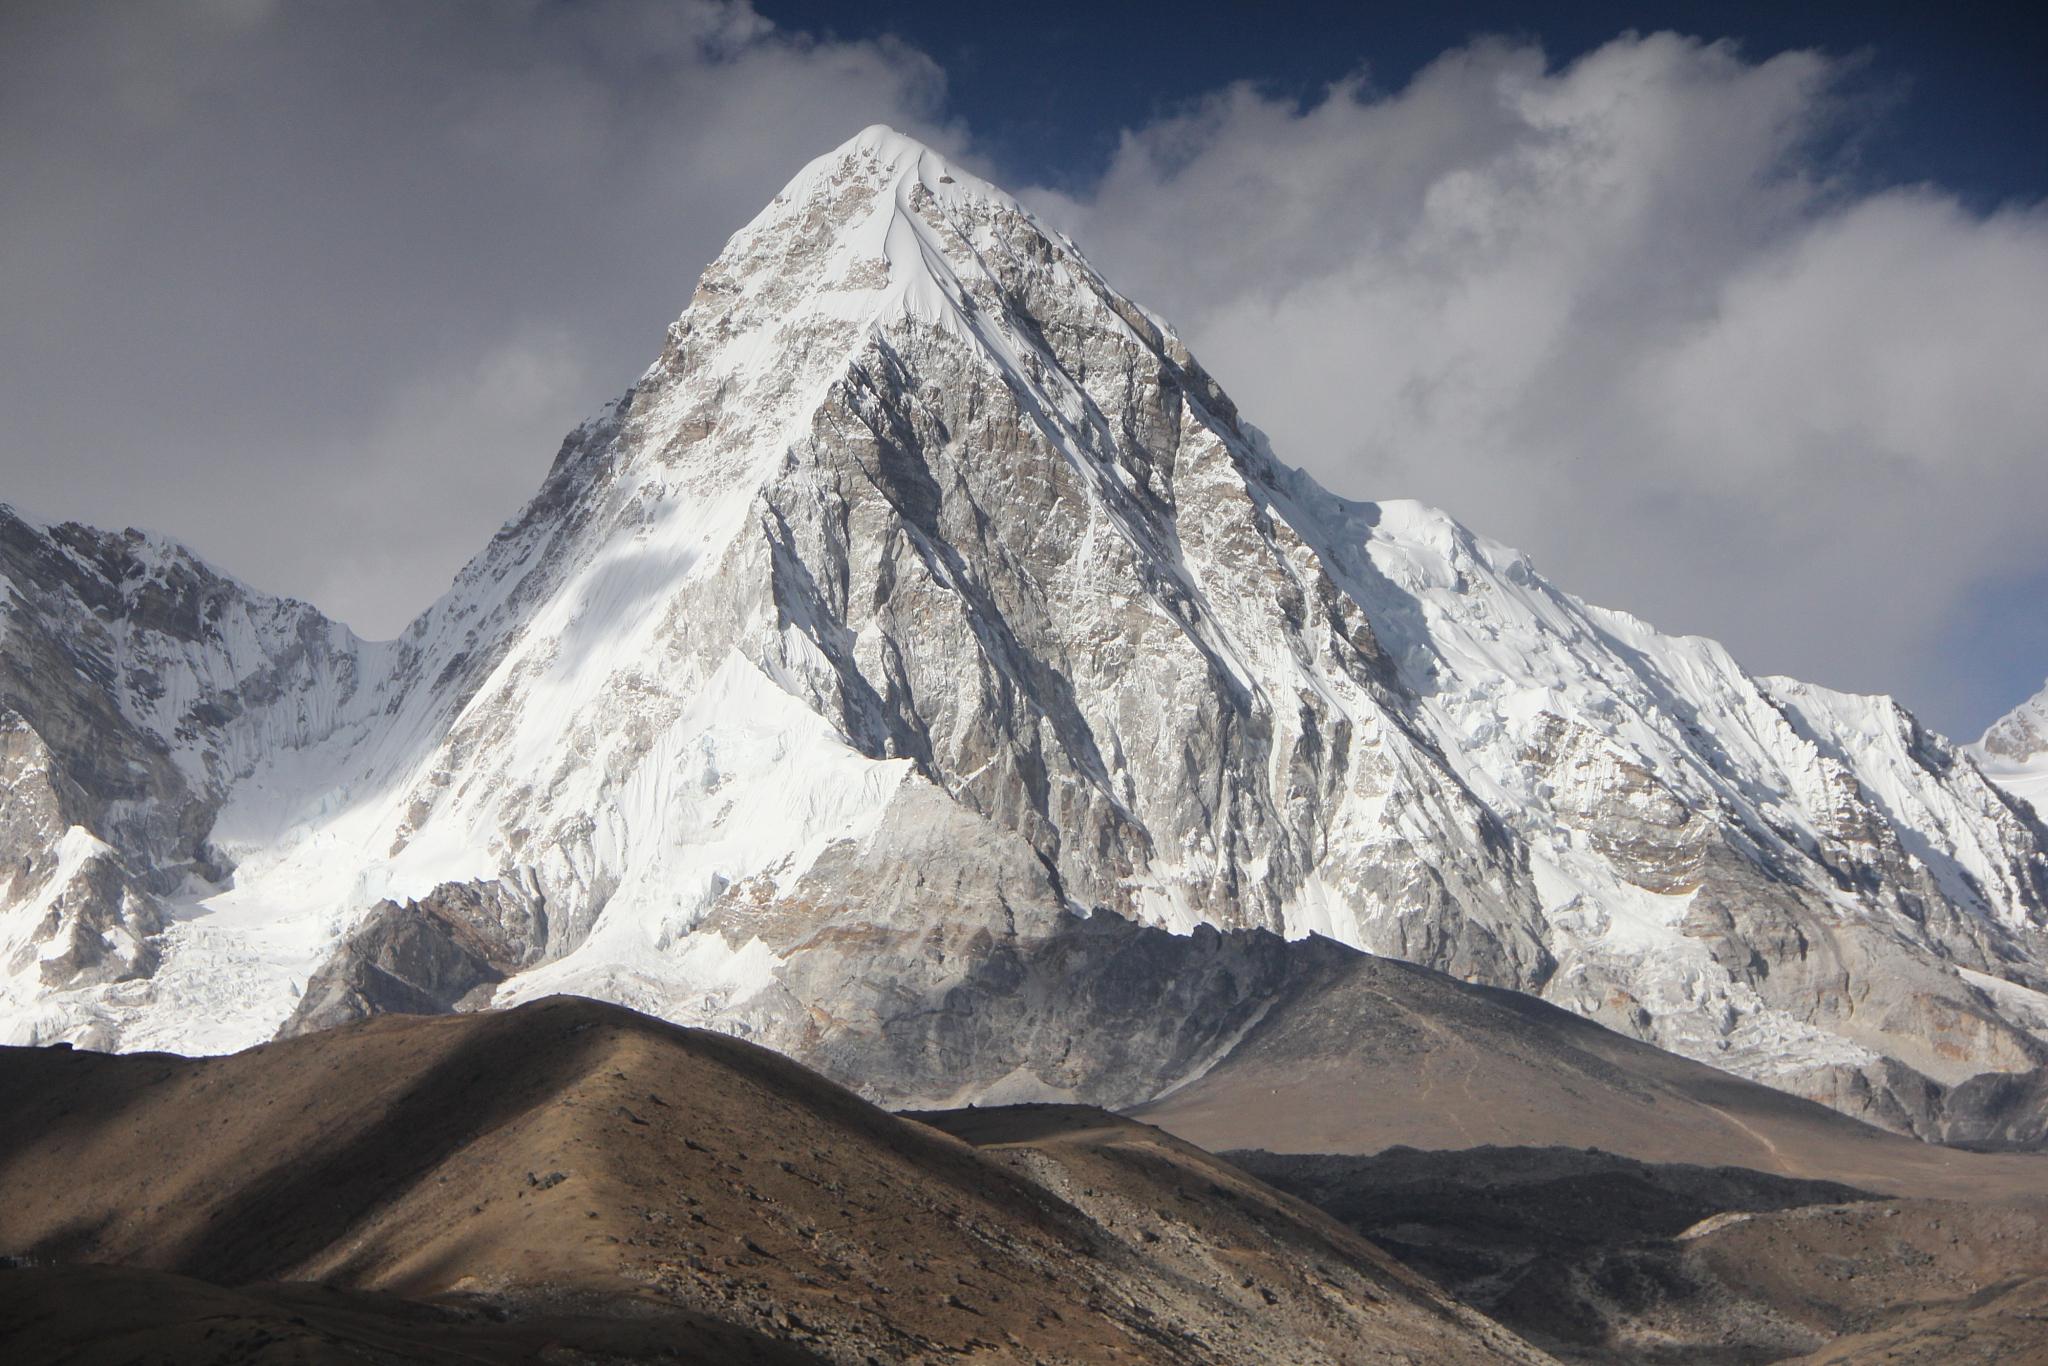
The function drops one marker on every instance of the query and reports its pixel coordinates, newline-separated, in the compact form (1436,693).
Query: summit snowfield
(922,605)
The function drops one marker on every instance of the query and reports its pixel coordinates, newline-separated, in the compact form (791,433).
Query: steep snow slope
(925,592)
(2014,751)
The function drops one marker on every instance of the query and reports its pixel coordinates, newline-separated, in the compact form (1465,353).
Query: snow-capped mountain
(2013,752)
(924,596)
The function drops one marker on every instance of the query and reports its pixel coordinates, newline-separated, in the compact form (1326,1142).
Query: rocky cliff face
(138,688)
(925,594)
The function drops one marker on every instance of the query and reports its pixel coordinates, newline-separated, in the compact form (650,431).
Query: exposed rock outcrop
(441,953)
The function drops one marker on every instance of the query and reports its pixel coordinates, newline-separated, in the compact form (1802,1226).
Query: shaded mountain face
(922,598)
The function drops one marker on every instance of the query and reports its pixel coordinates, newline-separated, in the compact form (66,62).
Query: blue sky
(1957,89)
(1734,316)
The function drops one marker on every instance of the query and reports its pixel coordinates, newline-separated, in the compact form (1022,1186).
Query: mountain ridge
(916,517)
(608,1187)
(2013,751)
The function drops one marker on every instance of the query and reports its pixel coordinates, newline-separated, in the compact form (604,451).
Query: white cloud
(1626,315)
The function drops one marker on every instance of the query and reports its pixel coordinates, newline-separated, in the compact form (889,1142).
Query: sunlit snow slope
(922,596)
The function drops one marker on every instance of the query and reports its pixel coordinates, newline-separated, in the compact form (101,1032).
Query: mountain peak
(2021,733)
(885,144)
(924,591)
(2014,750)
(879,199)
(880,232)
(882,155)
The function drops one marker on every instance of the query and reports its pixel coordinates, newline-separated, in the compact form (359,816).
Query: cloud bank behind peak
(318,292)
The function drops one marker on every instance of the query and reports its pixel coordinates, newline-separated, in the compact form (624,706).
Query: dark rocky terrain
(573,1179)
(576,1179)
(93,1315)
(1998,1111)
(1602,1259)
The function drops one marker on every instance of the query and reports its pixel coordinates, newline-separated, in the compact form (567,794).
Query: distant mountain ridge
(924,595)
(2013,751)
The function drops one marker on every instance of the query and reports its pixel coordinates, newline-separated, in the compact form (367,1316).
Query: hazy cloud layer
(1626,316)
(318,289)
